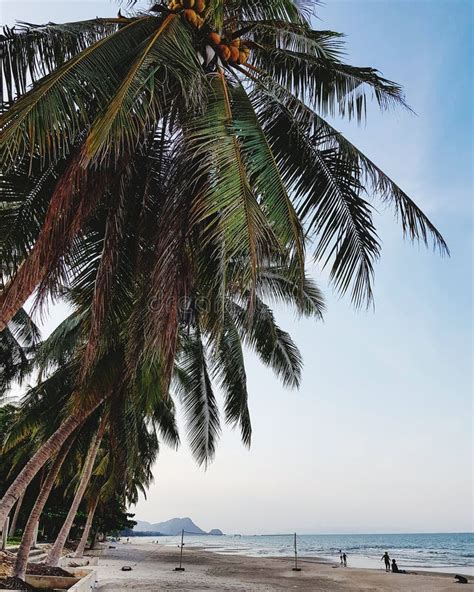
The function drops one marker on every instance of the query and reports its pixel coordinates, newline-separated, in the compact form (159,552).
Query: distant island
(171,527)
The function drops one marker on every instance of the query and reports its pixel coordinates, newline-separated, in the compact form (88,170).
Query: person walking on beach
(386,558)
(344,559)
(340,557)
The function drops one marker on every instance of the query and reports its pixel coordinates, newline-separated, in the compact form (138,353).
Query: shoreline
(467,571)
(414,552)
(333,563)
(153,570)
(355,560)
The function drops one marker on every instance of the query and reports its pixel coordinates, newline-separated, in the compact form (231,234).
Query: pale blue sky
(379,437)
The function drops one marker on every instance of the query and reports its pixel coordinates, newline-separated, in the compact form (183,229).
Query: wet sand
(153,565)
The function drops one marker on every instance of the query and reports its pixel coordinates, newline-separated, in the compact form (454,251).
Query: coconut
(215,38)
(188,3)
(235,43)
(243,57)
(234,54)
(200,6)
(224,52)
(190,16)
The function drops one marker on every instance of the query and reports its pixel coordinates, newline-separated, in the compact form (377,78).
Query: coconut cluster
(234,51)
(192,10)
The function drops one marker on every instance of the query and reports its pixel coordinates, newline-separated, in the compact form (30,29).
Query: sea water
(425,552)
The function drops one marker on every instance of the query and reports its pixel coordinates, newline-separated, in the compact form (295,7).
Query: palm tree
(31,526)
(160,162)
(131,446)
(56,550)
(41,405)
(122,344)
(61,351)
(123,478)
(191,376)
(240,93)
(37,417)
(113,480)
(91,508)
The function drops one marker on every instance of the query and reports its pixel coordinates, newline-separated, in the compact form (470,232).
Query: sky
(379,436)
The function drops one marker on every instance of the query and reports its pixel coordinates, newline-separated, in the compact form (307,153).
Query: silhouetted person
(344,559)
(395,568)
(386,558)
(340,557)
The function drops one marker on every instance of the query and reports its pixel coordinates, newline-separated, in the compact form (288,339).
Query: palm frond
(24,195)
(62,344)
(230,211)
(199,403)
(266,177)
(165,70)
(24,329)
(49,119)
(327,85)
(29,51)
(277,283)
(229,369)
(280,110)
(273,345)
(297,37)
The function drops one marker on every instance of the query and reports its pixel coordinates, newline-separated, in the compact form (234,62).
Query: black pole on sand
(180,568)
(296,568)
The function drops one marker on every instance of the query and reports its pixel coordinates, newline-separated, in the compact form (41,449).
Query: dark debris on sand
(37,569)
(15,584)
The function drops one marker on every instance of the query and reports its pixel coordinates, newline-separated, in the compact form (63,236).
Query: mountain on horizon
(173,527)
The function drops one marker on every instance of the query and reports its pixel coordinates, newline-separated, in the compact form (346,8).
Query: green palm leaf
(277,283)
(197,396)
(327,85)
(265,175)
(230,210)
(29,52)
(50,118)
(229,369)
(165,68)
(273,345)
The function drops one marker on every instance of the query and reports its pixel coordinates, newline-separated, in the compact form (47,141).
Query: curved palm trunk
(15,515)
(85,535)
(56,550)
(47,450)
(28,538)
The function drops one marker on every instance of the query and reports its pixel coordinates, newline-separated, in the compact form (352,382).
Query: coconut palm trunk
(56,550)
(87,528)
(47,451)
(28,538)
(15,515)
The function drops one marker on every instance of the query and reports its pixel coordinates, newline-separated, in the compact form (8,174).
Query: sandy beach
(153,565)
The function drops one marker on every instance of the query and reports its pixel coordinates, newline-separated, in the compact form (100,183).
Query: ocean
(452,553)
